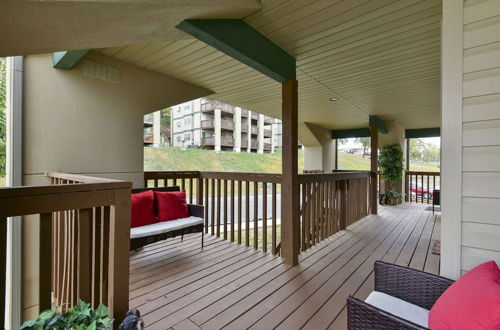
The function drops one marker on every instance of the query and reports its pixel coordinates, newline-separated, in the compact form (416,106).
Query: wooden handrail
(80,224)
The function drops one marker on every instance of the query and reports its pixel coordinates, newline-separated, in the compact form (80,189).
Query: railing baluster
(218,206)
(264,216)
(247,211)
(212,208)
(190,190)
(273,219)
(3,265)
(225,208)
(240,194)
(303,217)
(256,215)
(232,210)
(84,254)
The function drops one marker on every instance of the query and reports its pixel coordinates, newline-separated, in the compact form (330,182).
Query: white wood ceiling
(379,57)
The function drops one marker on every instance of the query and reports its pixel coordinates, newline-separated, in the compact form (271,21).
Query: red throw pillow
(171,205)
(143,210)
(472,302)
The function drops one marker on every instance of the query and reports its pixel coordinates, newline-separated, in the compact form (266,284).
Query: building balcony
(244,128)
(255,116)
(224,141)
(255,130)
(207,124)
(254,145)
(244,112)
(268,146)
(212,105)
(225,124)
(268,133)
(268,120)
(148,139)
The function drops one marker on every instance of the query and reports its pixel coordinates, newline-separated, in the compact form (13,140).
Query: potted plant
(391,169)
(79,317)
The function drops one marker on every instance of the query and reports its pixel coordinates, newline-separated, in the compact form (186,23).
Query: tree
(165,120)
(3,128)
(365,142)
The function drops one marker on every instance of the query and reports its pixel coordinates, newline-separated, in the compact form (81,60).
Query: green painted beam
(351,133)
(67,60)
(422,132)
(376,121)
(239,40)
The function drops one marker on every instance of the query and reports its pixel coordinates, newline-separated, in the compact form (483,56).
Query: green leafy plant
(391,163)
(393,194)
(79,317)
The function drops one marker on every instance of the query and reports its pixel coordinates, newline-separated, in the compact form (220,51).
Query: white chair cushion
(399,307)
(164,227)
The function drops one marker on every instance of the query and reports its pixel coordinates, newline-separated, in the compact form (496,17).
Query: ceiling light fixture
(333,99)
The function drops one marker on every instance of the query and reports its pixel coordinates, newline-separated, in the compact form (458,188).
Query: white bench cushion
(399,307)
(164,227)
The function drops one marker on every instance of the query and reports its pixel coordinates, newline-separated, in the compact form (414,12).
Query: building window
(187,137)
(187,106)
(178,138)
(178,123)
(187,121)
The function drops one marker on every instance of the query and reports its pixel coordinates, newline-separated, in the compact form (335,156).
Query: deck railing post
(374,169)
(290,201)
(119,255)
(199,190)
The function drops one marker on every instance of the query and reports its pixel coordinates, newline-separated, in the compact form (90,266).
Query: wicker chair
(416,287)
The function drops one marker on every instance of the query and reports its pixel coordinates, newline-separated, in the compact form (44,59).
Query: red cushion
(171,205)
(472,302)
(143,210)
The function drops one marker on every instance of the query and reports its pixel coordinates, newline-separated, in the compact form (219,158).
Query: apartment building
(219,126)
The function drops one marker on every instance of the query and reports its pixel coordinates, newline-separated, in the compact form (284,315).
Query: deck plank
(176,285)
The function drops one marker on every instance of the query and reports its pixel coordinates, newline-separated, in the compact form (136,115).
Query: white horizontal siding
(472,257)
(481,134)
(481,210)
(481,108)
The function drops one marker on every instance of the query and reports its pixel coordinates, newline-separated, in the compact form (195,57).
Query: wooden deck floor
(176,285)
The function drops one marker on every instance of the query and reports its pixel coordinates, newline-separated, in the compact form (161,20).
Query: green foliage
(165,117)
(424,152)
(394,194)
(3,129)
(391,162)
(79,317)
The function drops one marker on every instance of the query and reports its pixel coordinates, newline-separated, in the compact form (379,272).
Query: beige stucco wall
(76,123)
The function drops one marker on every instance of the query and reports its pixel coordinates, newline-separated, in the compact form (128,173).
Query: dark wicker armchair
(416,287)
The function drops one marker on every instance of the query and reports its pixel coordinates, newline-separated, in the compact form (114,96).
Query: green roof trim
(351,133)
(376,121)
(239,40)
(422,132)
(66,60)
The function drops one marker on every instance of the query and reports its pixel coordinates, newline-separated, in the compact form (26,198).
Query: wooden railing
(246,207)
(330,203)
(84,240)
(420,186)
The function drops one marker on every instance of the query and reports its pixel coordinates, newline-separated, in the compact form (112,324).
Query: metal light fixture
(333,99)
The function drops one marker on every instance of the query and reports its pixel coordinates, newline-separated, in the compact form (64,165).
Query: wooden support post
(290,200)
(374,169)
(119,255)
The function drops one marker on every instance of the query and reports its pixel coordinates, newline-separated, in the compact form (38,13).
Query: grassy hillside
(173,158)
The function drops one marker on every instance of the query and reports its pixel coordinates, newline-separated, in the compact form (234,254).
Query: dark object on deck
(436,248)
(416,287)
(132,321)
(194,210)
(436,198)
